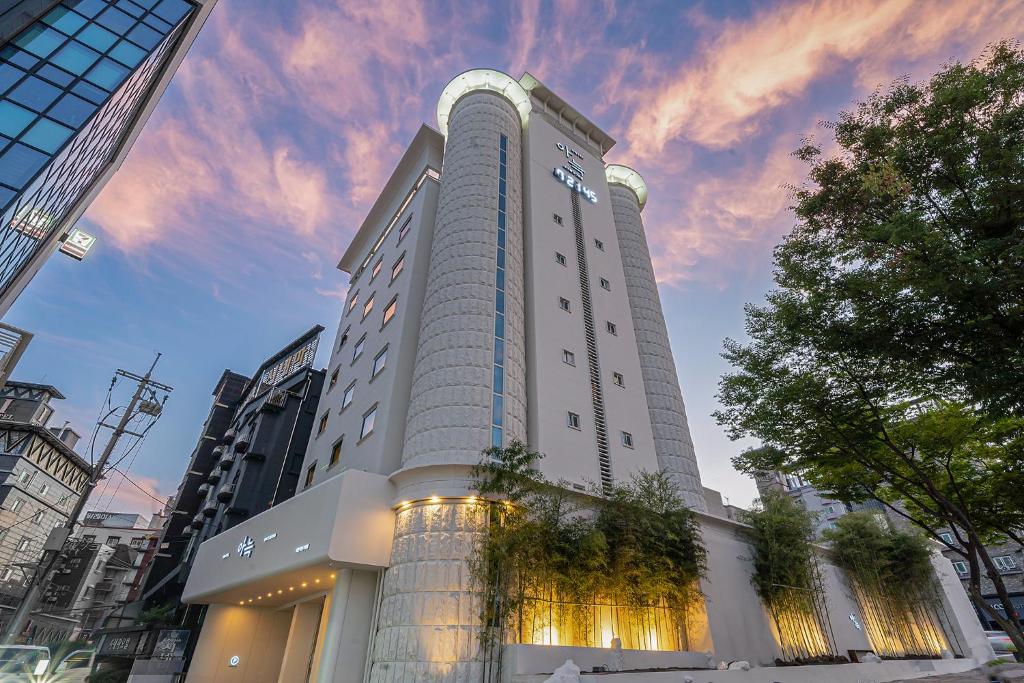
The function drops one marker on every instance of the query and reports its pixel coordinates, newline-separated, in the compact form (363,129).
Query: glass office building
(76,84)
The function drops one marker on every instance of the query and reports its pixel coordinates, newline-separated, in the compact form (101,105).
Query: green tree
(888,363)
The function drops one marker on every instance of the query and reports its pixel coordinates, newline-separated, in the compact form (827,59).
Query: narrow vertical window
(369,418)
(396,269)
(376,268)
(336,451)
(379,360)
(498,383)
(310,473)
(323,423)
(368,306)
(389,311)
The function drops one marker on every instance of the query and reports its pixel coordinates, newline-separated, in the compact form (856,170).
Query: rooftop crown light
(624,175)
(481,79)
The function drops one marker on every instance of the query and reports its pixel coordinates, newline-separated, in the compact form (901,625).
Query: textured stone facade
(428,625)
(450,403)
(672,442)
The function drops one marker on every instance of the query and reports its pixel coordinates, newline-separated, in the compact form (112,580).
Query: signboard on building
(170,644)
(32,222)
(77,244)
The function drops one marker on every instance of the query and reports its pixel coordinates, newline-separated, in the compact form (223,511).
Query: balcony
(242,444)
(229,436)
(197,521)
(214,477)
(209,508)
(217,452)
(227,462)
(226,493)
(203,489)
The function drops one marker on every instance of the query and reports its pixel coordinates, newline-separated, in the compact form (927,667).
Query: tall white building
(501,288)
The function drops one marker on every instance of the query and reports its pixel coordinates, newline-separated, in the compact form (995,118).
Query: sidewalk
(1008,673)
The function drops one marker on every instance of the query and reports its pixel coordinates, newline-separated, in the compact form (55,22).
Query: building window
(557,218)
(1005,562)
(960,567)
(376,268)
(336,452)
(404,230)
(599,244)
(38,517)
(350,392)
(44,489)
(8,573)
(334,379)
(310,473)
(352,302)
(610,326)
(368,306)
(24,477)
(396,269)
(357,350)
(573,420)
(15,504)
(323,423)
(947,538)
(390,311)
(627,439)
(112,541)
(89,538)
(379,360)
(563,303)
(368,419)
(498,367)
(25,544)
(3,533)
(618,380)
(568,357)
(560,259)
(605,284)
(343,338)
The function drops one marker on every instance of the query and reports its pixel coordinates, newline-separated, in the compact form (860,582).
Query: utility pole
(59,536)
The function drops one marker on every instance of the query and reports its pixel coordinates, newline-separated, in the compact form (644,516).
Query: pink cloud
(136,493)
(747,68)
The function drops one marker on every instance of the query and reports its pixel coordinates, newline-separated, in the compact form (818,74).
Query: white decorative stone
(567,673)
(616,661)
(739,666)
(722,666)
(871,658)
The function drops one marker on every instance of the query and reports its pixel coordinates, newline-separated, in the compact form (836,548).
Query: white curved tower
(468,387)
(672,442)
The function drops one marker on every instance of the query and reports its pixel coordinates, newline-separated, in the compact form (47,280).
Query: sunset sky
(218,239)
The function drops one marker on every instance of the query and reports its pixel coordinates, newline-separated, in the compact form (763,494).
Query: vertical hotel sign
(571,172)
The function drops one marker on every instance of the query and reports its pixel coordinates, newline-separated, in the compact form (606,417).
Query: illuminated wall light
(435,499)
(279,591)
(317,581)
(291,588)
(332,576)
(270,595)
(259,597)
(304,584)
(250,599)
(241,602)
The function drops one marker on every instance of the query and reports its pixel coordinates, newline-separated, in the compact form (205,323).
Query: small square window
(563,303)
(368,420)
(310,473)
(322,425)
(368,306)
(960,567)
(627,439)
(610,326)
(946,537)
(396,269)
(605,284)
(357,350)
(38,518)
(376,268)
(599,244)
(350,392)
(568,357)
(379,361)
(560,259)
(404,230)
(618,379)
(336,452)
(44,489)
(573,420)
(557,218)
(390,311)
(334,379)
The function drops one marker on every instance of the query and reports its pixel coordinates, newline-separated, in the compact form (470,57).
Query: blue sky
(220,235)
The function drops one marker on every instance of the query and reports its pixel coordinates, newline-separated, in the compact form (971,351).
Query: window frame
(376,269)
(352,302)
(310,475)
(564,304)
(372,412)
(321,424)
(627,439)
(400,265)
(599,244)
(368,305)
(561,260)
(947,538)
(572,421)
(348,396)
(334,378)
(606,284)
(403,231)
(335,456)
(360,346)
(393,308)
(611,328)
(557,219)
(1005,563)
(568,357)
(374,368)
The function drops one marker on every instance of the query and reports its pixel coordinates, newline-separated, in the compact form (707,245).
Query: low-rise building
(41,479)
